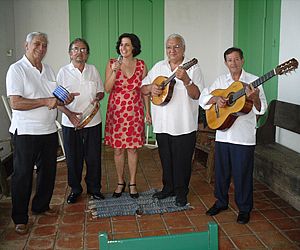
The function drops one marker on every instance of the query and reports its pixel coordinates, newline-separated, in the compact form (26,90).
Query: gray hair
(31,35)
(177,36)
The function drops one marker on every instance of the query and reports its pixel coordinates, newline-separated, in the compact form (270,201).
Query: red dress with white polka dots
(124,126)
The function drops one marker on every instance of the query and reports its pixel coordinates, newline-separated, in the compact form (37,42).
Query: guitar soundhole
(230,101)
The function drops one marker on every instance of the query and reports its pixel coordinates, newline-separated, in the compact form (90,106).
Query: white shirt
(25,80)
(243,130)
(180,115)
(88,84)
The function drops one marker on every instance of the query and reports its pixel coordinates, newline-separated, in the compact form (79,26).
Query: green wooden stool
(185,241)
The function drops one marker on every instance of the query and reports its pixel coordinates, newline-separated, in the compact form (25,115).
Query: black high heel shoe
(117,195)
(135,195)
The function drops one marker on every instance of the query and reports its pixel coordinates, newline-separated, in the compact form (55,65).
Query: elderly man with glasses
(82,144)
(175,122)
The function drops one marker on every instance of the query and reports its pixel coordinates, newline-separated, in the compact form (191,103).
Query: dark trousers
(83,145)
(30,150)
(236,161)
(176,154)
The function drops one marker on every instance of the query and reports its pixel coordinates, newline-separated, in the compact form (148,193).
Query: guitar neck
(255,84)
(186,66)
(170,78)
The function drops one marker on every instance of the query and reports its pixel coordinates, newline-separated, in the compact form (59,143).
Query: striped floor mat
(125,205)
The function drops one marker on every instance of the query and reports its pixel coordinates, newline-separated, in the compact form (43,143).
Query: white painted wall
(289,86)
(207,27)
(49,16)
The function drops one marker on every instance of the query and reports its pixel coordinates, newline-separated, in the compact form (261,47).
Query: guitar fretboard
(186,66)
(255,84)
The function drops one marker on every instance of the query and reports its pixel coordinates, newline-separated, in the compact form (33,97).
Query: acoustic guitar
(167,85)
(238,104)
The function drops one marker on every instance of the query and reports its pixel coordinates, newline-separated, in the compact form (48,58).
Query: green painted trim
(257,33)
(75,19)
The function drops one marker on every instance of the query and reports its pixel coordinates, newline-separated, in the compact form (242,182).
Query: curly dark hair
(233,49)
(135,41)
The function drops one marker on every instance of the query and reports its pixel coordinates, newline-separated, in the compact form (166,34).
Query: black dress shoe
(180,203)
(214,210)
(162,195)
(243,218)
(72,198)
(97,196)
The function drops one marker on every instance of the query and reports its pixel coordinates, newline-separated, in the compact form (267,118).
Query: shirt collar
(242,77)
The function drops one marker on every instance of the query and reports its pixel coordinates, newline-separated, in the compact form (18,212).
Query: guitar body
(167,91)
(237,103)
(225,117)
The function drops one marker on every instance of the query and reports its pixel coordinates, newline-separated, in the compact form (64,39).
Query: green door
(257,33)
(101,22)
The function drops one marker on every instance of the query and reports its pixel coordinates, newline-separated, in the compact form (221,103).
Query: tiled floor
(274,223)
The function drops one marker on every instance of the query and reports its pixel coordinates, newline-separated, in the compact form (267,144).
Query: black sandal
(117,195)
(135,195)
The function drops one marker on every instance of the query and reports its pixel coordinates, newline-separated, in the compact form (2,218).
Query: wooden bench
(205,150)
(6,165)
(207,240)
(275,164)
(205,146)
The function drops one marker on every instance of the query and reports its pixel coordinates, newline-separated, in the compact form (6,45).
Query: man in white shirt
(82,144)
(234,148)
(30,84)
(175,123)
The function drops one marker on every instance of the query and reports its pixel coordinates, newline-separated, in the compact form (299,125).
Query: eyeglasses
(77,50)
(176,47)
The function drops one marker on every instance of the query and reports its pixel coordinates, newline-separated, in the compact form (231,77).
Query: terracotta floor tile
(48,230)
(294,235)
(10,235)
(261,226)
(69,242)
(77,218)
(177,222)
(92,241)
(258,186)
(226,216)
(274,239)
(225,244)
(150,225)
(94,228)
(154,233)
(41,243)
(13,244)
(256,216)
(263,204)
(247,242)
(199,209)
(74,208)
(69,229)
(286,223)
(120,226)
(273,214)
(47,220)
(234,229)
(124,218)
(270,194)
(126,235)
(291,211)
(278,202)
(200,220)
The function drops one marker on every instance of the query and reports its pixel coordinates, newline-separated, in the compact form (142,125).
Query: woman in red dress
(124,127)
